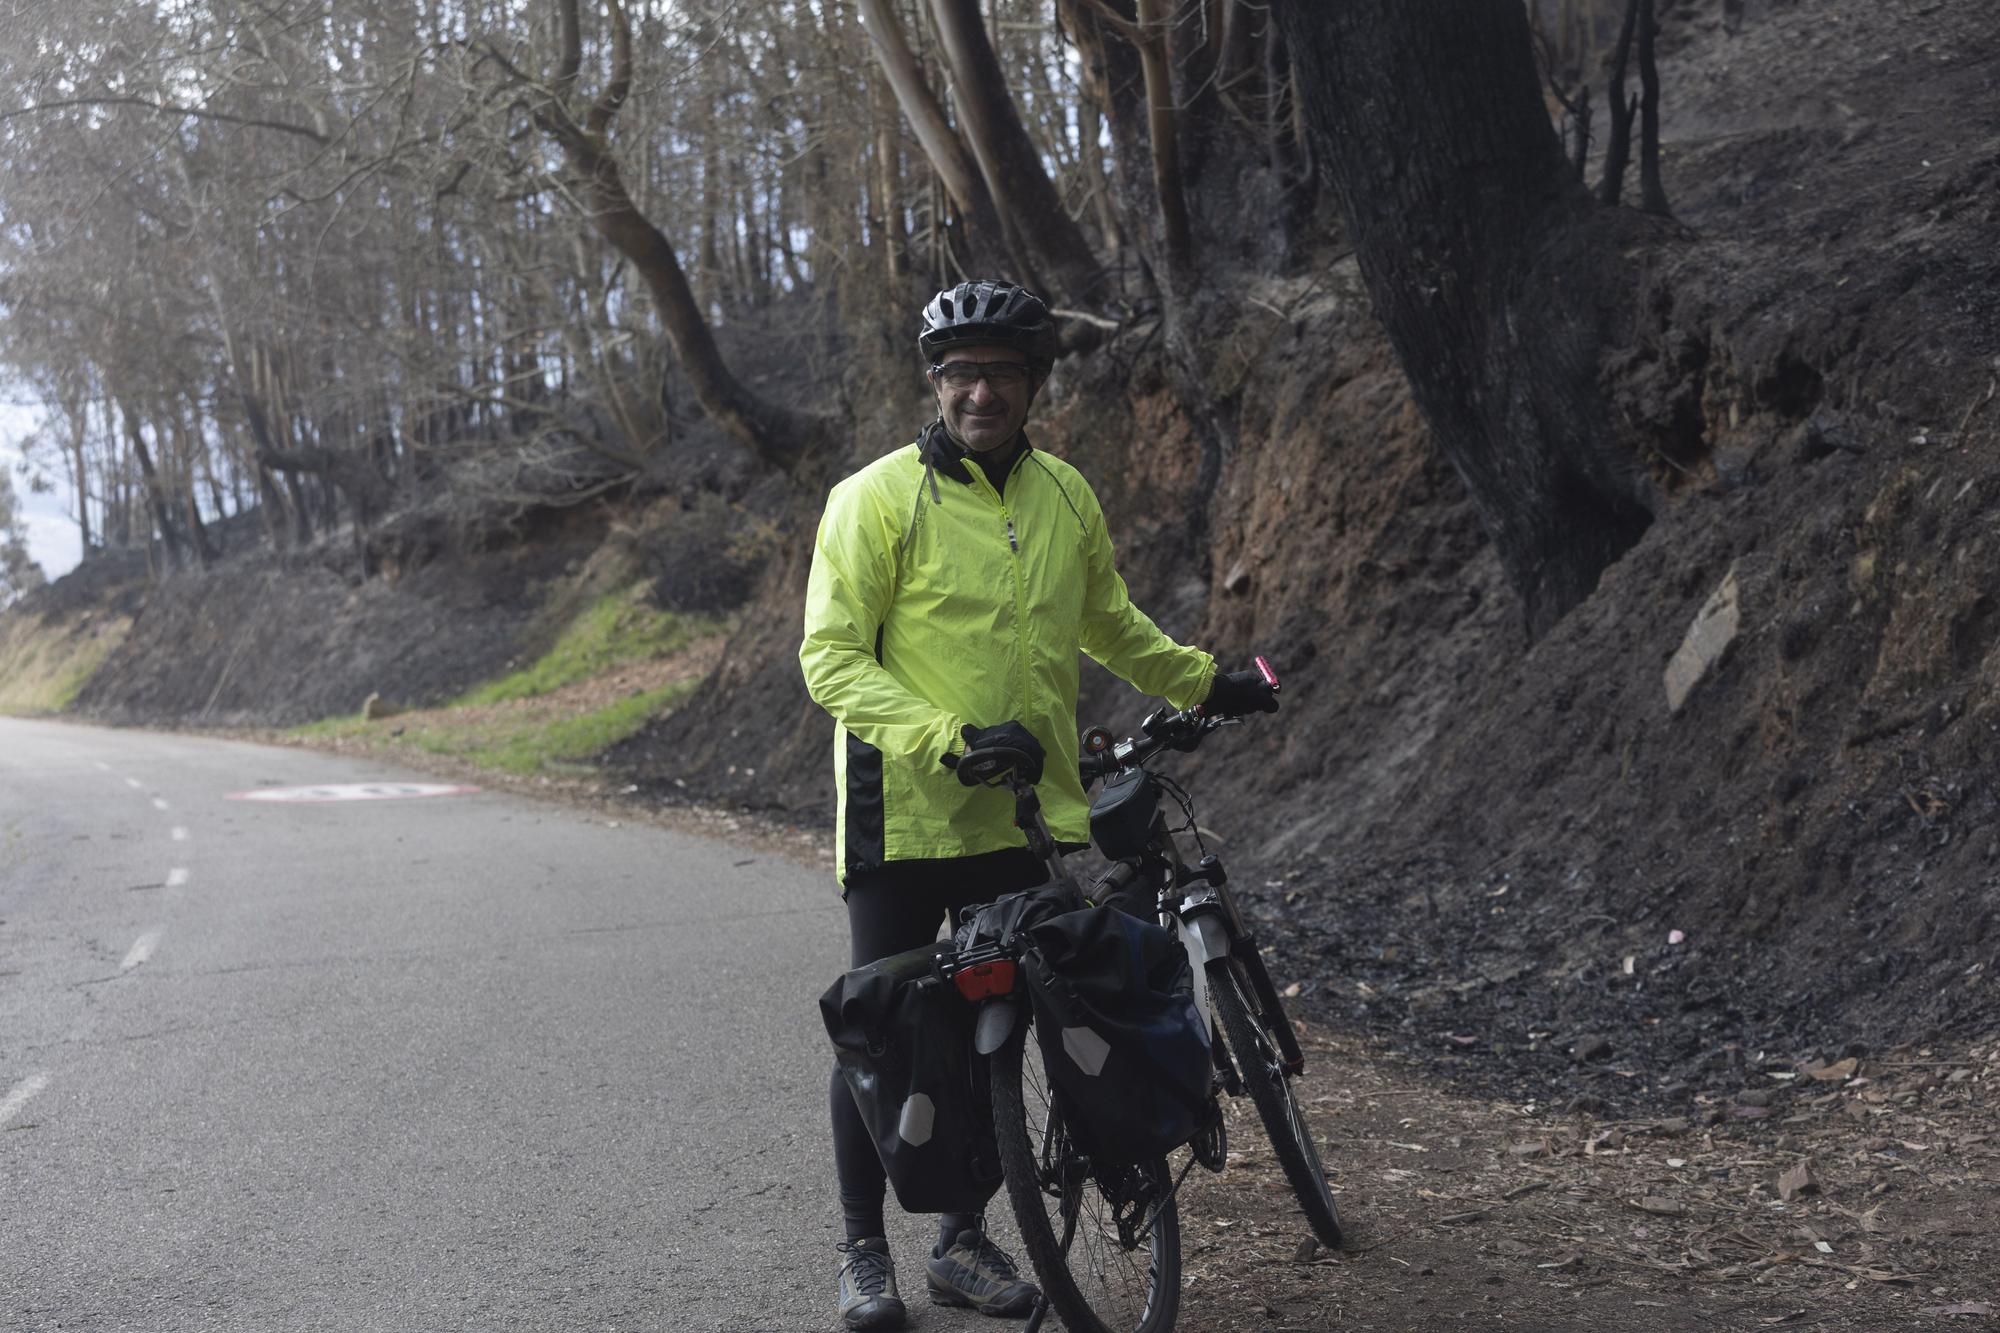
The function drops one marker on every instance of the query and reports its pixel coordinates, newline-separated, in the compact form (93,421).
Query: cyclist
(954,582)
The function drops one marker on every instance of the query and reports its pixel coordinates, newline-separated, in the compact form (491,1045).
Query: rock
(1837,1072)
(1797,1180)
(1708,639)
(1754,1097)
(1590,1048)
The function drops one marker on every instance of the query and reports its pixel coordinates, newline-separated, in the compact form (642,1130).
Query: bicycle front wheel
(1257,1059)
(1104,1238)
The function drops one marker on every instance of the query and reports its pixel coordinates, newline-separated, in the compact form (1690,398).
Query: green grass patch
(331,728)
(44,666)
(551,744)
(527,742)
(617,628)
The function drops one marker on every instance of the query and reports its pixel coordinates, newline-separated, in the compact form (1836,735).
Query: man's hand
(1012,736)
(1238,692)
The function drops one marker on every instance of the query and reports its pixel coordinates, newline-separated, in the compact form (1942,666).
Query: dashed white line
(180,833)
(134,783)
(177,877)
(20,1095)
(141,950)
(159,804)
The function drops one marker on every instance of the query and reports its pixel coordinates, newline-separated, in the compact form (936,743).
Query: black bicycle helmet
(989,312)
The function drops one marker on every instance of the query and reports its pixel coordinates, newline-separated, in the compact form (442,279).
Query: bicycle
(1085,1222)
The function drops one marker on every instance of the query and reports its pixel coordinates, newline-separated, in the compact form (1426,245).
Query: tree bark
(156,496)
(1652,195)
(1618,145)
(1164,135)
(1495,277)
(947,154)
(888,178)
(778,435)
(1020,187)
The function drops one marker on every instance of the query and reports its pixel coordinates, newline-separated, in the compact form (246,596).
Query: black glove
(1011,735)
(1238,692)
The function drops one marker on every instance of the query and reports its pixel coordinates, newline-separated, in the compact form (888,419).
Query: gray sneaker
(978,1273)
(868,1296)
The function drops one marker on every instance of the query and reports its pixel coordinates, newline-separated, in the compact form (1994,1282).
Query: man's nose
(982,392)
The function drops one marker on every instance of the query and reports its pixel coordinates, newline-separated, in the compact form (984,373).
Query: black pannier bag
(905,1055)
(1125,1048)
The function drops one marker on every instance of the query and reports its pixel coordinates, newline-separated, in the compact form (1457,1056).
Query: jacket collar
(948,456)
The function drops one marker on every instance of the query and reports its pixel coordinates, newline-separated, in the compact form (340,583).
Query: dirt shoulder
(1869,1203)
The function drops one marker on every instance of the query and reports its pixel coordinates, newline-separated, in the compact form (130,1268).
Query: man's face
(985,415)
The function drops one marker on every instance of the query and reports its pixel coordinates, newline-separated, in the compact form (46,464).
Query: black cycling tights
(890,910)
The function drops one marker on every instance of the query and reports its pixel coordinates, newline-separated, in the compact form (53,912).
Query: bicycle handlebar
(1183,729)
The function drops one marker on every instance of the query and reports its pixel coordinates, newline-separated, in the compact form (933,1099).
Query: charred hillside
(1770,728)
(1734,799)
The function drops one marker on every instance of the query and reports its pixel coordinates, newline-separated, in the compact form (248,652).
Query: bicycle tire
(1063,1206)
(1256,1055)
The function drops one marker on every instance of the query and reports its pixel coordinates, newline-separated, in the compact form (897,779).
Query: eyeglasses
(965,374)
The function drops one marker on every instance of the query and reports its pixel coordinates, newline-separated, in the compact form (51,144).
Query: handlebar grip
(1270,676)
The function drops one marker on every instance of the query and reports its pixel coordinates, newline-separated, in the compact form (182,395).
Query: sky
(53,539)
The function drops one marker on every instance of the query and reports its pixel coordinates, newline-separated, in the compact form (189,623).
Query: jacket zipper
(1020,595)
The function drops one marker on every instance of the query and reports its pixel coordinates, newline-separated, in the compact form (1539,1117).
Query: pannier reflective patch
(914,1127)
(1086,1050)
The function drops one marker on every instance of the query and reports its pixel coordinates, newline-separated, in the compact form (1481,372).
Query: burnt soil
(1456,833)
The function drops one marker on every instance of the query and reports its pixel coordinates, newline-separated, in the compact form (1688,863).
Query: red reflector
(984,979)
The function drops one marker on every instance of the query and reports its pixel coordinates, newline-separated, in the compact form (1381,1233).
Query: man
(953,584)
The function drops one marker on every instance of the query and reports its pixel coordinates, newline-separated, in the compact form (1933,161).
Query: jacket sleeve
(847,596)
(1124,639)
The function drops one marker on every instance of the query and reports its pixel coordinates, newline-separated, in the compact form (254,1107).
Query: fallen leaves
(1685,1211)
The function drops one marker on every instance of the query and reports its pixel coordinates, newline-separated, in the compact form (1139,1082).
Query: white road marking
(134,783)
(351,791)
(141,950)
(180,834)
(20,1095)
(159,804)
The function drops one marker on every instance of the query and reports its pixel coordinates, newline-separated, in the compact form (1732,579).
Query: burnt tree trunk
(1618,145)
(156,496)
(1652,195)
(1016,179)
(1163,133)
(779,436)
(1496,277)
(943,149)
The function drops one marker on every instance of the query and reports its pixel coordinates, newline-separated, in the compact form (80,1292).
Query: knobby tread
(1290,1138)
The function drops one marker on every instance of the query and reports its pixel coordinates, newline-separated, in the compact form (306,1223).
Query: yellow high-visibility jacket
(934,603)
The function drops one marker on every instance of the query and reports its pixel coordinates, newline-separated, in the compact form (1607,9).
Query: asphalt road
(460,1062)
